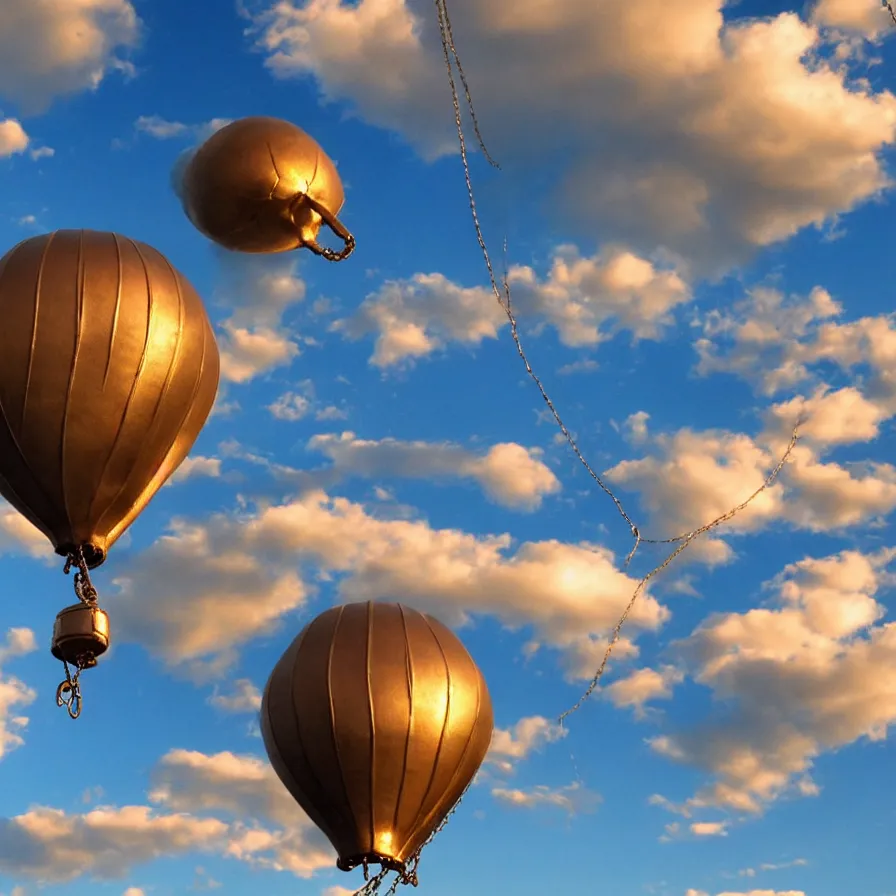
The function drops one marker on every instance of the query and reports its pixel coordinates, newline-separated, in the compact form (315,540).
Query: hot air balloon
(264,185)
(376,719)
(108,372)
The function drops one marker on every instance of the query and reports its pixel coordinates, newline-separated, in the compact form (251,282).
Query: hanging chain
(84,589)
(68,694)
(503,298)
(333,223)
(889,7)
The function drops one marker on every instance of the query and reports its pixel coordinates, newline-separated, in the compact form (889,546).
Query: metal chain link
(409,874)
(84,589)
(68,694)
(889,7)
(333,223)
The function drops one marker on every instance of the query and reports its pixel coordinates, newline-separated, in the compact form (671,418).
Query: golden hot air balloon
(376,719)
(108,372)
(264,185)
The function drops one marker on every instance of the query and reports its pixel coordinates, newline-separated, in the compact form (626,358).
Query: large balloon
(263,185)
(376,719)
(108,371)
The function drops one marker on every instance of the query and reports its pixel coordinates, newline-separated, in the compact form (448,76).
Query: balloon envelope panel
(108,371)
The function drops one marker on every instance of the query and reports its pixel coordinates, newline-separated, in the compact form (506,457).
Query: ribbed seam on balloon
(480,683)
(76,350)
(322,787)
(35,481)
(371,714)
(422,812)
(175,356)
(333,738)
(168,374)
(409,673)
(208,339)
(135,379)
(115,314)
(293,653)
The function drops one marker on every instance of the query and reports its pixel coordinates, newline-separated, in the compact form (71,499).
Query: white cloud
(50,49)
(18,533)
(206,588)
(290,406)
(573,798)
(510,474)
(50,845)
(510,745)
(190,790)
(13,138)
(692,892)
(584,299)
(244,788)
(642,686)
(708,137)
(248,352)
(636,426)
(163,129)
(298,403)
(245,697)
(709,828)
(14,693)
(867,17)
(257,289)
(193,467)
(815,672)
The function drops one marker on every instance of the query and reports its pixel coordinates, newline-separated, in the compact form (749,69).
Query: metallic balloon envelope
(108,372)
(264,185)
(376,719)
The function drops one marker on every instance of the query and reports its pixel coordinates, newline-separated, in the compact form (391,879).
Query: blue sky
(697,207)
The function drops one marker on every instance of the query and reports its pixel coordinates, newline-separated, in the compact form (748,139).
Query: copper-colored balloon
(108,371)
(376,719)
(264,185)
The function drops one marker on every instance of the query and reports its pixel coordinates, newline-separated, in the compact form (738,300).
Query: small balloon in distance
(108,372)
(263,185)
(376,719)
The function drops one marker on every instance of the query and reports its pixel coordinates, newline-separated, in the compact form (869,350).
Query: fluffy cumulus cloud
(197,466)
(220,804)
(14,693)
(205,588)
(813,671)
(257,289)
(49,49)
(573,798)
(244,697)
(509,473)
(13,139)
(643,686)
(584,299)
(692,892)
(165,129)
(683,130)
(511,745)
(867,17)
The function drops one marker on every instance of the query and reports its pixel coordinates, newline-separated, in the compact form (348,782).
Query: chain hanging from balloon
(68,694)
(503,297)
